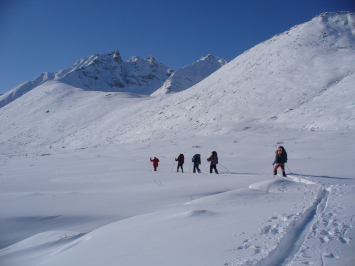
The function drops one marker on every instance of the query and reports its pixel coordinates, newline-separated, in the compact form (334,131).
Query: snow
(77,186)
(109,73)
(106,206)
(188,76)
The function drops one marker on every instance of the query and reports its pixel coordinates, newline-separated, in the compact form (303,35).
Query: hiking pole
(288,169)
(203,165)
(173,166)
(224,167)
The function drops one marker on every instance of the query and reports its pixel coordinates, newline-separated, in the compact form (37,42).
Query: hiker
(214,161)
(155,162)
(280,160)
(196,159)
(180,160)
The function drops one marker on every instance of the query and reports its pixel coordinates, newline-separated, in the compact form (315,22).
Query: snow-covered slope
(68,197)
(300,79)
(190,75)
(105,72)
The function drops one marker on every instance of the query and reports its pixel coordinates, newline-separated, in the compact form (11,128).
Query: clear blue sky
(39,36)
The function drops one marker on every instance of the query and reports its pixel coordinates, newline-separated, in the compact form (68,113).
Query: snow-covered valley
(78,188)
(106,205)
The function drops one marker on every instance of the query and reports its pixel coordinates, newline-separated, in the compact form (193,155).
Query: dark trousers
(213,166)
(180,165)
(196,167)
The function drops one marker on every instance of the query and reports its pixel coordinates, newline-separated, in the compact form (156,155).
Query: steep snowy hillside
(300,79)
(106,72)
(188,76)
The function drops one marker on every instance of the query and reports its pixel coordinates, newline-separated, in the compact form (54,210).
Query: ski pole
(288,169)
(224,167)
(173,166)
(203,165)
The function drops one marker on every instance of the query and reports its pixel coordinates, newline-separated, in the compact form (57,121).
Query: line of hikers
(280,160)
(196,160)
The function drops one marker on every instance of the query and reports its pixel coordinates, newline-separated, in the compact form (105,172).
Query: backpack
(214,158)
(283,154)
(197,159)
(181,158)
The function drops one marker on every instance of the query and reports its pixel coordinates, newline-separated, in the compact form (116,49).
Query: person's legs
(215,168)
(180,166)
(275,169)
(283,170)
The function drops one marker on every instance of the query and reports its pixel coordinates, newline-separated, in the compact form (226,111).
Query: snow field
(105,205)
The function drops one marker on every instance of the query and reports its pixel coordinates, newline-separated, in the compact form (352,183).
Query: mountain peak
(190,75)
(151,59)
(116,56)
(134,59)
(207,57)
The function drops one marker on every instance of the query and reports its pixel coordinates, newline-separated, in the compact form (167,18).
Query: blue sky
(39,36)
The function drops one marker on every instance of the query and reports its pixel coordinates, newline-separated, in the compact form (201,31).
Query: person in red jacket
(180,160)
(155,162)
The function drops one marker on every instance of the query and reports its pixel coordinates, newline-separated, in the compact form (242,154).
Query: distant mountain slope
(105,72)
(109,73)
(301,79)
(190,75)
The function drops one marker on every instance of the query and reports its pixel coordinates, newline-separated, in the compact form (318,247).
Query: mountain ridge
(301,79)
(190,75)
(106,72)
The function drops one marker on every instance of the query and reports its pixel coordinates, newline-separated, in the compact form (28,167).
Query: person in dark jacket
(196,159)
(280,160)
(214,161)
(180,160)
(155,162)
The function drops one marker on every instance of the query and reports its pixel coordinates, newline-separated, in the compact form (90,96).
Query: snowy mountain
(105,72)
(300,79)
(78,188)
(190,75)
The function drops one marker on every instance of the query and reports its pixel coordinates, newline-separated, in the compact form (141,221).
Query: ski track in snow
(284,240)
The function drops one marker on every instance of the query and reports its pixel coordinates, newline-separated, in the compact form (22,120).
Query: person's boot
(275,172)
(283,174)
(182,170)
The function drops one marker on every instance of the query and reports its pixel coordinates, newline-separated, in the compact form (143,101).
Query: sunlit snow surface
(77,186)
